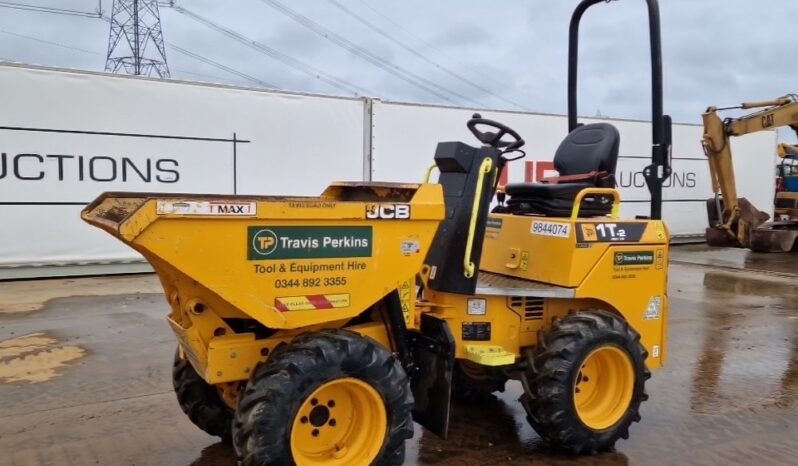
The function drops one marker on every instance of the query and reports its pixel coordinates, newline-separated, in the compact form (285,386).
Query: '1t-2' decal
(610,232)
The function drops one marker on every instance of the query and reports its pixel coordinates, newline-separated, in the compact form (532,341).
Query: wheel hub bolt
(315,432)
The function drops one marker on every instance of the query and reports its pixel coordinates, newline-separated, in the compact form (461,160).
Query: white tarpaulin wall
(405,136)
(65,137)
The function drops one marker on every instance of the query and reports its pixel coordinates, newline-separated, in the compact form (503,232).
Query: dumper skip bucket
(287,262)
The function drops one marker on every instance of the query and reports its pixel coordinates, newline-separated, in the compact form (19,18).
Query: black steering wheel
(494,139)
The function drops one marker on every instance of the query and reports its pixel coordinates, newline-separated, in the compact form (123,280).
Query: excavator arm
(733,221)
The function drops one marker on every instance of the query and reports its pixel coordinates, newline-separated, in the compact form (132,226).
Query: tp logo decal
(264,242)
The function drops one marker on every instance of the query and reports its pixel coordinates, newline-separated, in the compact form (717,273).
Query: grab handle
(468,264)
(616,200)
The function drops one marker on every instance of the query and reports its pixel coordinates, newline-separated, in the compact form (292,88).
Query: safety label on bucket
(312,302)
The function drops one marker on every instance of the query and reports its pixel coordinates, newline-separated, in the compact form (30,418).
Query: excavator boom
(734,221)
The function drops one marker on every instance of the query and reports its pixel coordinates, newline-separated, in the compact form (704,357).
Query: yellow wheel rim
(343,422)
(604,387)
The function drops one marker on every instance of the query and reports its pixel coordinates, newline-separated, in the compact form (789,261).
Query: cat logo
(388,211)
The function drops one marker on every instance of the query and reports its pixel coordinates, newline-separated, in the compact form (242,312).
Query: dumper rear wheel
(201,401)
(585,381)
(332,398)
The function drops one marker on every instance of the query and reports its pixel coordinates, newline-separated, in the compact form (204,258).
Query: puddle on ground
(736,258)
(745,284)
(31,295)
(35,358)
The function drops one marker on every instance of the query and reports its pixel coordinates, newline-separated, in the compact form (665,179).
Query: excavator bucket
(739,234)
(716,236)
(719,238)
(750,230)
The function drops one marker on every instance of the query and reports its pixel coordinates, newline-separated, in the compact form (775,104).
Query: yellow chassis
(210,283)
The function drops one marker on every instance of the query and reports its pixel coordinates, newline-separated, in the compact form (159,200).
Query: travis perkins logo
(272,243)
(634,258)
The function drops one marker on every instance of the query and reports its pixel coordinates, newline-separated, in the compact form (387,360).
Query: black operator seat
(586,158)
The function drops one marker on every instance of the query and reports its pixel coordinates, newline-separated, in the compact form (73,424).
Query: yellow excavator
(733,220)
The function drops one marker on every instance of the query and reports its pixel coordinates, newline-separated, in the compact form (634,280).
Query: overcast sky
(507,53)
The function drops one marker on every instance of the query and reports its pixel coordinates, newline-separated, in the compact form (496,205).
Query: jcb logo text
(388,211)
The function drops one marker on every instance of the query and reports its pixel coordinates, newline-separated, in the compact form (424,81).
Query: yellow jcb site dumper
(315,330)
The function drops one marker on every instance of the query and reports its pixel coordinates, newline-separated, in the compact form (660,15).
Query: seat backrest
(588,148)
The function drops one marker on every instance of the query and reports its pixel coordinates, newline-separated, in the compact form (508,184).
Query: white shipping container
(66,136)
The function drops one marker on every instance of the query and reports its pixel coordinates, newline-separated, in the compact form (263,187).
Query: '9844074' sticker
(556,229)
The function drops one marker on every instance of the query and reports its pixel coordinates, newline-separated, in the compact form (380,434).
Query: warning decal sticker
(311,302)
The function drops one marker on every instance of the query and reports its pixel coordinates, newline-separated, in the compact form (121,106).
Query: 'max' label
(270,243)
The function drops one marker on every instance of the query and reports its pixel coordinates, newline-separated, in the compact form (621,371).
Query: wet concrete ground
(86,379)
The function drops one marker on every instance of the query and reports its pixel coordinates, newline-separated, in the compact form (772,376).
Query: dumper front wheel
(332,398)
(201,401)
(585,381)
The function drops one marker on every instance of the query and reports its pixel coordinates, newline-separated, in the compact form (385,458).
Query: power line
(221,66)
(208,61)
(407,76)
(173,46)
(47,9)
(277,55)
(418,54)
(56,44)
(430,45)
